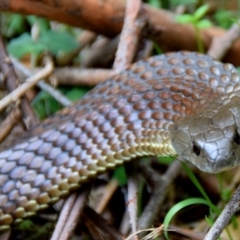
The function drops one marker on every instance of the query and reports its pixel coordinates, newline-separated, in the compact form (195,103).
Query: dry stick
(44,86)
(220,45)
(189,234)
(71,221)
(108,192)
(30,82)
(76,76)
(124,226)
(7,125)
(101,54)
(230,209)
(133,187)
(152,209)
(12,83)
(5,235)
(133,24)
(98,221)
(64,215)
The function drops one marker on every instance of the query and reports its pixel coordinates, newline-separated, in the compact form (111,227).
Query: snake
(182,104)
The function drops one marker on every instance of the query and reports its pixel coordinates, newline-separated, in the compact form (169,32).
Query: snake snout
(215,151)
(214,156)
(211,149)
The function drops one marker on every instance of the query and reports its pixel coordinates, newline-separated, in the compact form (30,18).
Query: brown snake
(183,103)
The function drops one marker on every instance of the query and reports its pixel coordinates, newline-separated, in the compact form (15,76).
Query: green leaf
(155,3)
(166,160)
(179,206)
(201,12)
(45,105)
(120,175)
(209,221)
(23,45)
(224,18)
(204,23)
(43,23)
(27,225)
(76,93)
(157,48)
(16,24)
(199,187)
(183,2)
(57,42)
(185,18)
(226,194)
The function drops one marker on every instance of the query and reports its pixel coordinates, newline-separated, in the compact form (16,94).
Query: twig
(108,192)
(54,93)
(151,210)
(133,24)
(68,205)
(76,76)
(189,234)
(30,82)
(12,83)
(230,209)
(7,125)
(44,86)
(69,216)
(220,45)
(124,226)
(97,221)
(5,235)
(101,54)
(133,187)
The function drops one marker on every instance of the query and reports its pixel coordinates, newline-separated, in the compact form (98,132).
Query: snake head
(210,138)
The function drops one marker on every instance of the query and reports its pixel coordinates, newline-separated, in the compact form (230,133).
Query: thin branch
(70,215)
(74,216)
(12,83)
(152,209)
(221,44)
(133,187)
(76,76)
(230,209)
(9,122)
(30,82)
(109,190)
(41,84)
(133,24)
(99,222)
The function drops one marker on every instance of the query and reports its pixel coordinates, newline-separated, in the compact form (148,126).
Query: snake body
(145,110)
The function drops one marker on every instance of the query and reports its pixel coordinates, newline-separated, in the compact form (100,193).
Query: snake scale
(177,103)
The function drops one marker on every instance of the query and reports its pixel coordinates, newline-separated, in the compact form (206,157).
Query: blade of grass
(179,206)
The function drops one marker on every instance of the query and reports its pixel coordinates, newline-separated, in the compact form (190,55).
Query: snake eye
(236,137)
(197,149)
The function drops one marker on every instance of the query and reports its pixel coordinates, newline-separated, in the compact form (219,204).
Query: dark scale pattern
(129,115)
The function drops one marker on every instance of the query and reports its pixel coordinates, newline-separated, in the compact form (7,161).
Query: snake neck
(149,142)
